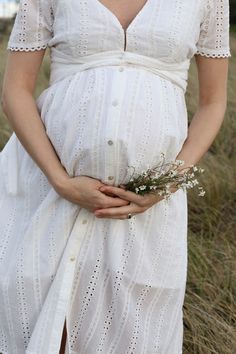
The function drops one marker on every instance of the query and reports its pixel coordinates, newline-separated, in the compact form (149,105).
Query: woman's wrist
(59,180)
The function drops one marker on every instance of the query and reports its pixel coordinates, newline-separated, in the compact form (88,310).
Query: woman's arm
(20,108)
(205,125)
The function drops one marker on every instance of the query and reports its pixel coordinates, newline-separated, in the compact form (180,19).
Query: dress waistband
(63,65)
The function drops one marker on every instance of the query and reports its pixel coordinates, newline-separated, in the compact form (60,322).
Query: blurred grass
(210,302)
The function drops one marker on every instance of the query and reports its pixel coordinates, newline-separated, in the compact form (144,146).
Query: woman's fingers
(135,204)
(141,200)
(123,194)
(112,201)
(119,212)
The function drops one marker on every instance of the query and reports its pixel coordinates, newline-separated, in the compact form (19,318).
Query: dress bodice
(165,32)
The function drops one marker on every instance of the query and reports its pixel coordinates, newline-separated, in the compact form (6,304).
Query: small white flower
(167,187)
(179,162)
(173,173)
(142,188)
(195,168)
(189,184)
(201,193)
(153,188)
(195,182)
(136,190)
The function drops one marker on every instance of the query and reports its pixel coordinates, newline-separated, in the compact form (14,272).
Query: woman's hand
(84,190)
(136,203)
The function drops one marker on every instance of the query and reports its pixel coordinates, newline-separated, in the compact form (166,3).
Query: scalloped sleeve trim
(18,48)
(213,54)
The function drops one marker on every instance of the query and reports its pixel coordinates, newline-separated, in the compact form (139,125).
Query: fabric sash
(63,65)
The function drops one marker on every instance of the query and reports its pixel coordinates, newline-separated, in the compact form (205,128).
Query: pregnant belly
(103,120)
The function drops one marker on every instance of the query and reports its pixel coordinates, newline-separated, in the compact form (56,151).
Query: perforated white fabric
(119,284)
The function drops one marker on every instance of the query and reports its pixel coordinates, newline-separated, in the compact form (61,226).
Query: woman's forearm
(202,131)
(22,113)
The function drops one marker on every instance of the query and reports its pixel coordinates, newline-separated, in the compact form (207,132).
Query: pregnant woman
(85,266)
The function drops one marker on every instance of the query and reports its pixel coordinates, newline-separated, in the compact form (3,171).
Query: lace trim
(213,55)
(26,49)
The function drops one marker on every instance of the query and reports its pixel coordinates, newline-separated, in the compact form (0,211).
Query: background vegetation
(210,306)
(233,11)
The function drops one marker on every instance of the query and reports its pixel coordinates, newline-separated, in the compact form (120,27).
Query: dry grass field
(210,303)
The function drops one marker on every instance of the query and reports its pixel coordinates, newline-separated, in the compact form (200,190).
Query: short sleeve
(33,26)
(214,33)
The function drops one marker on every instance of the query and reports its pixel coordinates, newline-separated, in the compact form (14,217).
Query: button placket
(78,236)
(112,126)
(67,269)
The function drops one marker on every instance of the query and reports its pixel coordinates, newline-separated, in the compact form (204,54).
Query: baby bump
(103,120)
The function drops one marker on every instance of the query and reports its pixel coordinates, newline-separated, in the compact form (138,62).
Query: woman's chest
(163,29)
(124,11)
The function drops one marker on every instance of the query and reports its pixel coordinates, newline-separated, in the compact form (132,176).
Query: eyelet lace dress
(115,99)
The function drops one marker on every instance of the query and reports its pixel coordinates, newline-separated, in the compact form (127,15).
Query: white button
(72,258)
(115,103)
(84,221)
(110,178)
(110,142)
(121,69)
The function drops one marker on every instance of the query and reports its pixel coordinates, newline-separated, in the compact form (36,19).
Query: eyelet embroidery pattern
(7,232)
(179,99)
(212,55)
(91,290)
(176,25)
(21,297)
(130,123)
(79,154)
(147,127)
(217,47)
(26,37)
(100,83)
(16,48)
(141,294)
(3,342)
(156,258)
(165,112)
(130,301)
(116,281)
(99,281)
(80,48)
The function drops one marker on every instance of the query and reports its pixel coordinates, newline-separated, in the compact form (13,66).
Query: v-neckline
(139,13)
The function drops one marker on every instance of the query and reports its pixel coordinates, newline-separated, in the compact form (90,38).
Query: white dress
(115,99)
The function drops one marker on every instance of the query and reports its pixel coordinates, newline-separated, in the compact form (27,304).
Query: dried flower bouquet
(160,178)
